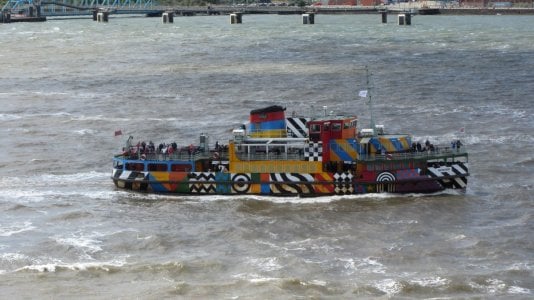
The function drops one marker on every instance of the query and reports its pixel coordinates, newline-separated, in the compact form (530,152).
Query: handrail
(427,154)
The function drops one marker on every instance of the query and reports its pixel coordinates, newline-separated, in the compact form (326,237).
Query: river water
(66,85)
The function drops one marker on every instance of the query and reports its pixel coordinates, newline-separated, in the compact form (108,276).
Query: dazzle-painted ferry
(278,155)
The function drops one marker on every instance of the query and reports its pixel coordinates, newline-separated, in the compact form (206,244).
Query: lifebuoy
(216,155)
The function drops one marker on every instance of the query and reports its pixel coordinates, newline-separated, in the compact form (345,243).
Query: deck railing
(437,153)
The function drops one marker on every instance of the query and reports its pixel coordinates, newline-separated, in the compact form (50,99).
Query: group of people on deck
(142,149)
(417,147)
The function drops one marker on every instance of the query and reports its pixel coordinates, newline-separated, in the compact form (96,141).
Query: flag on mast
(363,93)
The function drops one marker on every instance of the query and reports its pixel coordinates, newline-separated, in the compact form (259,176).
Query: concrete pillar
(384,16)
(235,18)
(408,19)
(401,18)
(308,18)
(103,16)
(167,17)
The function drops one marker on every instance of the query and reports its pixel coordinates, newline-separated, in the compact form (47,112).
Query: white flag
(363,93)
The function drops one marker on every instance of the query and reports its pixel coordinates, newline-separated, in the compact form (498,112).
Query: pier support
(236,18)
(384,16)
(5,17)
(405,19)
(408,19)
(308,18)
(102,16)
(167,17)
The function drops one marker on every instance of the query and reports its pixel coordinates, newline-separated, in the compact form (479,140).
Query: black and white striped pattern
(201,183)
(132,180)
(291,183)
(296,127)
(314,151)
(454,176)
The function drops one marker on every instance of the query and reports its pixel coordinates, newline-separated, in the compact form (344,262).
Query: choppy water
(67,85)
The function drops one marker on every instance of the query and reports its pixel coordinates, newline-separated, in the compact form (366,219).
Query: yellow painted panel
(276,167)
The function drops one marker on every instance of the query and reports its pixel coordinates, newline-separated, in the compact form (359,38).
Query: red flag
(118,132)
(462,130)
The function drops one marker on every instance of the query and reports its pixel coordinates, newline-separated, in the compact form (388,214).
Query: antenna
(368,94)
(370,98)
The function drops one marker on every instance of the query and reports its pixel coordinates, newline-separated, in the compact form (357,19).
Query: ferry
(277,155)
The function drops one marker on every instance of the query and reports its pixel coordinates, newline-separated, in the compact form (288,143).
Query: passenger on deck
(458,144)
(151,147)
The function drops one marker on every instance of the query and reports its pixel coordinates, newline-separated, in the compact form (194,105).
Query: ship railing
(269,156)
(181,156)
(437,153)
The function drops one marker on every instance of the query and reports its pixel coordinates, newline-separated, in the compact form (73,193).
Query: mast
(372,123)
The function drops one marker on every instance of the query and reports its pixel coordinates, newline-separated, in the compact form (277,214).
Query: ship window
(157,167)
(180,168)
(336,126)
(135,167)
(326,126)
(118,165)
(315,128)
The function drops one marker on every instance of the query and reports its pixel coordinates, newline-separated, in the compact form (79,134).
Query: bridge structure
(53,8)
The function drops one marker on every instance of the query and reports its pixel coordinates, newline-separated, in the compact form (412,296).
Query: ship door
(326,134)
(365,147)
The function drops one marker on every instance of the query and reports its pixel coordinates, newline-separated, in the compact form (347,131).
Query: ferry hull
(288,184)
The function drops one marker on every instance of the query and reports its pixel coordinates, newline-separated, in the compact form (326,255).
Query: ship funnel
(269,122)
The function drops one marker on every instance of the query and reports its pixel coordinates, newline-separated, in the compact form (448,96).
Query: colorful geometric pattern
(390,143)
(448,175)
(344,150)
(241,183)
(325,183)
(268,122)
(202,182)
(291,183)
(296,127)
(343,183)
(314,151)
(407,174)
(133,180)
(452,175)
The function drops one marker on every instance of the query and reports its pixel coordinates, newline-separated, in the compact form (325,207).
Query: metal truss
(70,5)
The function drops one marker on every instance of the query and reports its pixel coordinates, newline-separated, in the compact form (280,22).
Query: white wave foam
(491,286)
(255,278)
(86,132)
(89,244)
(389,286)
(15,228)
(13,257)
(431,281)
(364,265)
(78,266)
(265,263)
(519,290)
(9,117)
